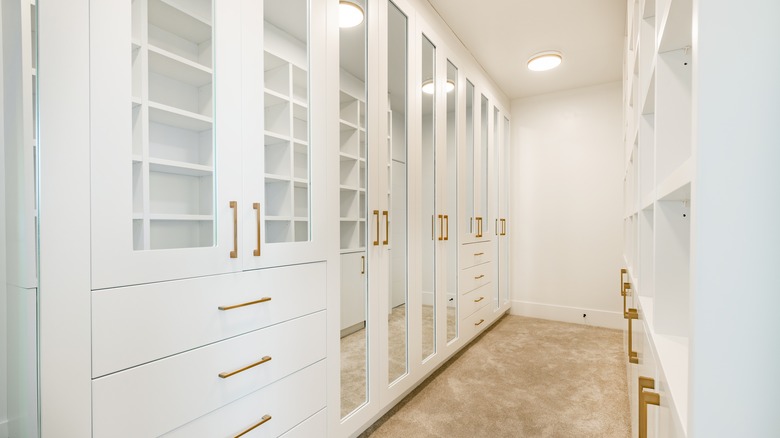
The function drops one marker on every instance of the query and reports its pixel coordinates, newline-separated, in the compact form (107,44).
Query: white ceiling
(503,34)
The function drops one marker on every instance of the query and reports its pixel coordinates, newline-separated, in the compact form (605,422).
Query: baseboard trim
(598,318)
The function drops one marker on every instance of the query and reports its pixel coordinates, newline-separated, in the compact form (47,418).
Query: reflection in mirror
(428,192)
(496,166)
(451,207)
(468,225)
(483,168)
(397,148)
(504,258)
(352,162)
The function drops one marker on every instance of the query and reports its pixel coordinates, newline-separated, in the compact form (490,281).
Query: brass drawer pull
(234,252)
(386,214)
(446,227)
(479,299)
(441,227)
(265,419)
(376,216)
(626,288)
(646,398)
(503,227)
(256,252)
(632,355)
(362,264)
(479,277)
(479,226)
(478,323)
(236,306)
(477,254)
(233,373)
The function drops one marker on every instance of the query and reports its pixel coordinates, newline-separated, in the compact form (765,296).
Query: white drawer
(474,277)
(155,398)
(475,300)
(288,402)
(472,254)
(477,322)
(139,324)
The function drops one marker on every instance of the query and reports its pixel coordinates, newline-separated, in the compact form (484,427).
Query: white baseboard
(598,318)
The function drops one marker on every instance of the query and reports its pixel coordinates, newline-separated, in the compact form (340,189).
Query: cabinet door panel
(165,136)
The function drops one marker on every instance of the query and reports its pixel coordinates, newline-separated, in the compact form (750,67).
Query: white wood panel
(155,398)
(139,324)
(288,402)
(472,254)
(475,276)
(475,300)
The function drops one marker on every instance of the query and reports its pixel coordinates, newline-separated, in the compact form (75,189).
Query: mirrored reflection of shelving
(352,168)
(172,124)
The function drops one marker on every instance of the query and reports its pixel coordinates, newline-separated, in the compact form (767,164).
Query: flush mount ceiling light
(545,61)
(350,14)
(428,87)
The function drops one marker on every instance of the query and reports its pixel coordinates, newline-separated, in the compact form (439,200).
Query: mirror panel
(484,159)
(451,201)
(428,195)
(397,56)
(470,155)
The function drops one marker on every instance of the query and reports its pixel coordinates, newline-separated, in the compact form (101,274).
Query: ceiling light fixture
(545,61)
(350,14)
(428,87)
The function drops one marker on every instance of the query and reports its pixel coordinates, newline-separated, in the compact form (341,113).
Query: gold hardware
(478,323)
(632,355)
(503,227)
(233,373)
(376,216)
(265,419)
(626,288)
(234,253)
(441,227)
(477,254)
(497,233)
(479,299)
(386,214)
(256,206)
(362,264)
(447,227)
(646,398)
(479,276)
(236,306)
(479,227)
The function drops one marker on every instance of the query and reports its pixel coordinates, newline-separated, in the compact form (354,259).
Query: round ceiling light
(545,61)
(428,87)
(350,14)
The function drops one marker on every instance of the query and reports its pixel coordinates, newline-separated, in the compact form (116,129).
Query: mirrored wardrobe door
(427,245)
(397,144)
(355,216)
(467,168)
(449,195)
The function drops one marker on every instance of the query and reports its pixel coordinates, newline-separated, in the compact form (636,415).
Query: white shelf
(676,187)
(178,167)
(649,9)
(352,250)
(178,68)
(672,354)
(181,217)
(675,32)
(188,24)
(178,118)
(648,200)
(648,94)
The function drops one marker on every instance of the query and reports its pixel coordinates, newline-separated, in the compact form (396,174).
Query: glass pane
(468,225)
(172,121)
(286,121)
(353,213)
(451,200)
(483,171)
(506,183)
(497,167)
(428,192)
(397,56)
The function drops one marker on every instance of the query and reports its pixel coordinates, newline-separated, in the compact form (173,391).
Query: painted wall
(567,179)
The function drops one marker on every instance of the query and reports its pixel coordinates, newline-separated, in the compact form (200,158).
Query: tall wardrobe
(243,217)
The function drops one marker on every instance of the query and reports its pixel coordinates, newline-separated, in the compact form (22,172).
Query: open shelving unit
(172,124)
(352,168)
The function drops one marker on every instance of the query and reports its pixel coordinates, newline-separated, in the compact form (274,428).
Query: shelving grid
(658,180)
(286,131)
(352,180)
(172,124)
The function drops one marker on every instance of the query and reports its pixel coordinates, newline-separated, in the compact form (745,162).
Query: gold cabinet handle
(498,233)
(265,419)
(236,306)
(626,288)
(225,375)
(503,227)
(234,253)
(623,272)
(362,264)
(386,214)
(441,227)
(477,254)
(479,299)
(376,216)
(632,355)
(446,227)
(256,206)
(478,277)
(646,398)
(479,323)
(479,226)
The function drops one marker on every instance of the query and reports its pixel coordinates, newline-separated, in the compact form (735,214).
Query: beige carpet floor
(523,377)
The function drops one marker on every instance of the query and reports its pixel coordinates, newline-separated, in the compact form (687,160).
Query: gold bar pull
(632,355)
(376,216)
(646,398)
(386,214)
(479,323)
(498,233)
(441,227)
(256,252)
(236,306)
(446,227)
(626,288)
(479,226)
(477,254)
(623,272)
(503,227)
(479,277)
(362,264)
(234,253)
(263,420)
(233,373)
(479,299)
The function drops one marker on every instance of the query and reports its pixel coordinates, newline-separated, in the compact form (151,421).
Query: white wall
(566,206)
(3,337)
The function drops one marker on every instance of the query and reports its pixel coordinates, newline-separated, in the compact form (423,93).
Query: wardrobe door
(165,139)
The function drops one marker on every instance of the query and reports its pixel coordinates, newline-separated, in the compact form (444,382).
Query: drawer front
(156,398)
(475,300)
(477,322)
(288,402)
(139,324)
(315,426)
(472,254)
(474,277)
